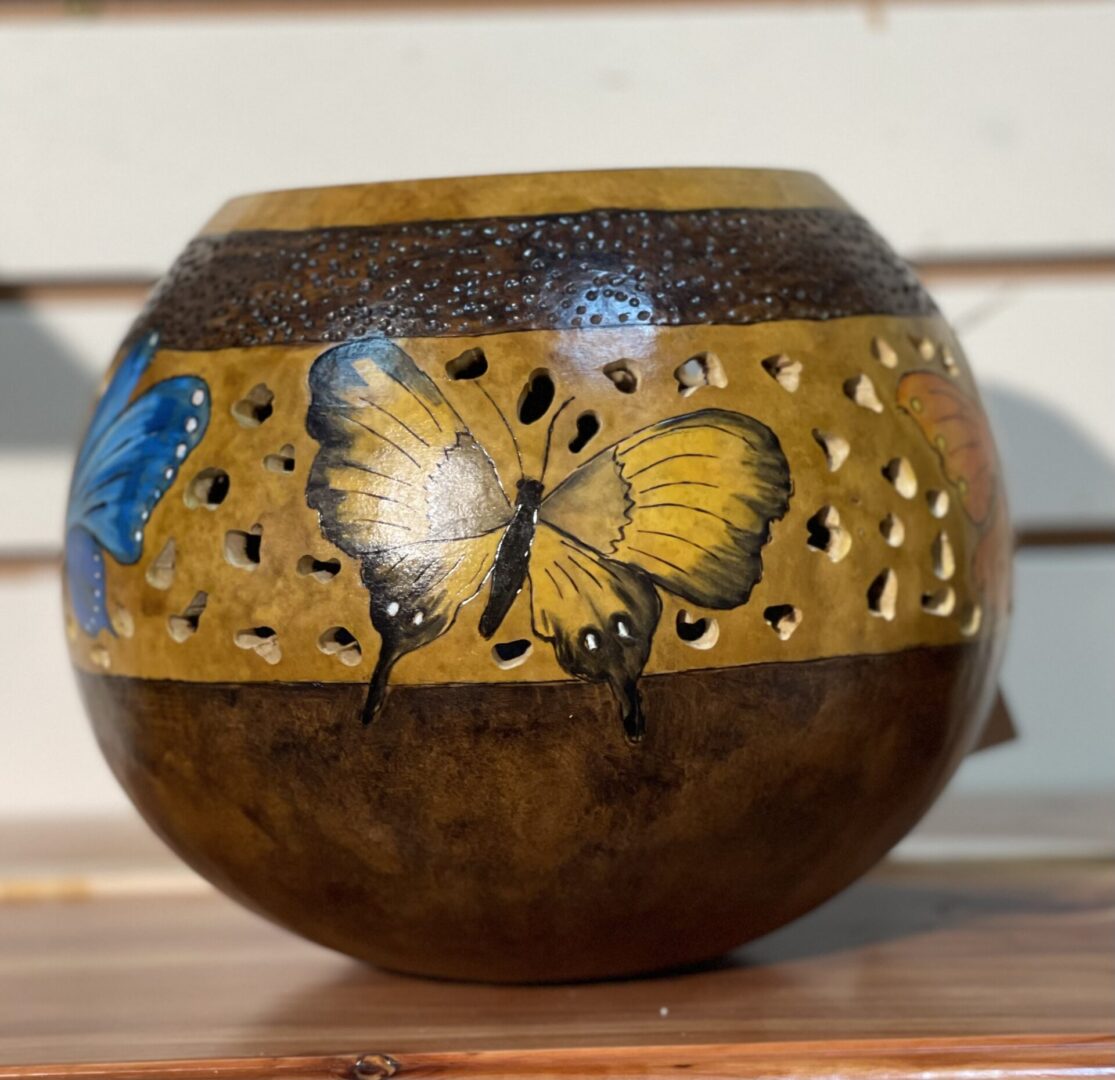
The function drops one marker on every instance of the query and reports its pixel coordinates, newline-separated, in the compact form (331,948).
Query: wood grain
(1046,1056)
(988,954)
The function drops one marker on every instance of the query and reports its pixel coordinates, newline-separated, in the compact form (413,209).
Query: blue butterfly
(130,456)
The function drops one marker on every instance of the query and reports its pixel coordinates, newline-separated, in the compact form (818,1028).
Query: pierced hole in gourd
(836,448)
(698,632)
(262,640)
(122,621)
(207,489)
(588,424)
(98,655)
(825,533)
(971,615)
(623,375)
(536,398)
(323,570)
(882,595)
(938,502)
(901,475)
(282,462)
(892,529)
(784,619)
(784,371)
(704,369)
(926,348)
(939,602)
(243,549)
(884,352)
(861,390)
(160,571)
(948,361)
(184,626)
(944,561)
(255,407)
(510,654)
(471,364)
(340,642)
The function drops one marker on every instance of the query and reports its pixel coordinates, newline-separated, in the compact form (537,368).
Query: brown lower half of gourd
(508,832)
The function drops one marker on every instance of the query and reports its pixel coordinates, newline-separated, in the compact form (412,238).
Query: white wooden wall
(977,137)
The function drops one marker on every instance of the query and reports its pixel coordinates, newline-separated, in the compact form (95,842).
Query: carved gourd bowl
(537,577)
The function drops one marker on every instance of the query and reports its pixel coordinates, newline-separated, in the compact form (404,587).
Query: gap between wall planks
(933,269)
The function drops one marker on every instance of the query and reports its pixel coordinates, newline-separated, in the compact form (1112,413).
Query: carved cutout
(262,640)
(340,642)
(901,474)
(938,502)
(884,352)
(784,371)
(944,561)
(861,390)
(894,532)
(784,619)
(100,658)
(940,602)
(704,369)
(282,462)
(160,571)
(243,549)
(623,375)
(588,424)
(323,570)
(971,615)
(255,407)
(925,347)
(510,654)
(122,621)
(207,489)
(836,448)
(882,595)
(698,632)
(183,627)
(471,364)
(536,398)
(825,533)
(948,361)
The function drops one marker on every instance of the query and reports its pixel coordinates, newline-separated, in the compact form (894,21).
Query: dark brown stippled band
(602,268)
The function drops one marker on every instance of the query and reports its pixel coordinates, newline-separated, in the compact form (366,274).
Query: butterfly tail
(377,687)
(626,692)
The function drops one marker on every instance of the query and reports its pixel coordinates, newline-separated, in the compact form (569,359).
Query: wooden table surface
(109,952)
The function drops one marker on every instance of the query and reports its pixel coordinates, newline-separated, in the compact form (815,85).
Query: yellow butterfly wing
(685,504)
(598,614)
(400,484)
(689,500)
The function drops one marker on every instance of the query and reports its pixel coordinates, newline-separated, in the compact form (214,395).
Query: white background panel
(951,126)
(1058,677)
(1043,352)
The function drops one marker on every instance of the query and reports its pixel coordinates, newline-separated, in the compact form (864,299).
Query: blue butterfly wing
(85,577)
(116,395)
(134,459)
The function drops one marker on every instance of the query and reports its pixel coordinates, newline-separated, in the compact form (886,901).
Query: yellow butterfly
(401,484)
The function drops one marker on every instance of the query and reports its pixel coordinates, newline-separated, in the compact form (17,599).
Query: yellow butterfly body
(401,484)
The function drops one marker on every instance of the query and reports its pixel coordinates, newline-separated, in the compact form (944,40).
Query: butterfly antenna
(510,433)
(550,436)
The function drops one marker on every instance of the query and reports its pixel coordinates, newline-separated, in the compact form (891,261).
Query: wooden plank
(967,950)
(1041,349)
(1024,1056)
(509,90)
